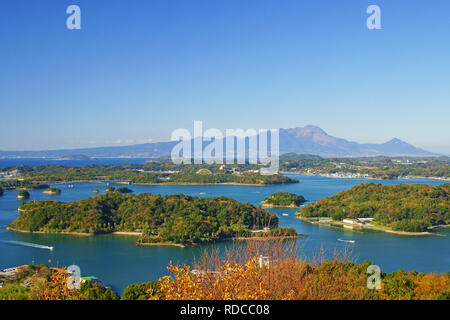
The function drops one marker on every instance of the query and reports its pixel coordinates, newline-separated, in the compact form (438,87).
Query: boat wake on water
(28,244)
(348,241)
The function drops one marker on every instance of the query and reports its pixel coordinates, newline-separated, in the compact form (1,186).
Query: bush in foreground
(274,271)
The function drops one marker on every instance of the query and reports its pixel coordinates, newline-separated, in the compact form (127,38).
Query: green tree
(14,291)
(140,291)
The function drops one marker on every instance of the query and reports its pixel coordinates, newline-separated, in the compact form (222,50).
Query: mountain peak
(395,141)
(313,140)
(308,130)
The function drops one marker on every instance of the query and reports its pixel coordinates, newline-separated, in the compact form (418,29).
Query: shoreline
(222,240)
(84,234)
(268,206)
(269,238)
(166,183)
(325,175)
(376,228)
(136,234)
(73,233)
(150,244)
(127,233)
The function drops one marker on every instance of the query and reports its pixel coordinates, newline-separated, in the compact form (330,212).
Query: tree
(14,291)
(140,291)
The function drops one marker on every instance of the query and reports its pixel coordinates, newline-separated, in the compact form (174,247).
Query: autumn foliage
(276,270)
(55,288)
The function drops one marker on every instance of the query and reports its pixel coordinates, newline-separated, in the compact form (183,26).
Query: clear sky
(137,70)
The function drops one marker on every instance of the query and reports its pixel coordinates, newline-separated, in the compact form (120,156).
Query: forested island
(283,199)
(404,207)
(163,172)
(118,190)
(22,194)
(52,191)
(14,184)
(172,219)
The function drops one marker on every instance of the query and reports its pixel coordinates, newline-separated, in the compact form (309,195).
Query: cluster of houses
(349,222)
(235,170)
(9,174)
(264,230)
(10,274)
(346,175)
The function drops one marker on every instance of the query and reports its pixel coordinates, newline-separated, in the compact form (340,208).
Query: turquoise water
(118,262)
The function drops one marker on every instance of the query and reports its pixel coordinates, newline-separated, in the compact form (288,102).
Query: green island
(385,168)
(22,184)
(172,219)
(52,191)
(403,209)
(157,172)
(283,199)
(22,194)
(1,191)
(118,190)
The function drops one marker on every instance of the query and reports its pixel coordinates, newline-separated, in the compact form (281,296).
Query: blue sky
(137,70)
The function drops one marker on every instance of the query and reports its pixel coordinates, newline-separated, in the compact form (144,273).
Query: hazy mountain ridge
(301,140)
(314,140)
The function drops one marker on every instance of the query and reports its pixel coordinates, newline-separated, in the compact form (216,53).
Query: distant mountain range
(314,140)
(302,140)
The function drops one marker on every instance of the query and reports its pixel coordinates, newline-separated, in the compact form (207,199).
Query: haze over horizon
(136,72)
(300,140)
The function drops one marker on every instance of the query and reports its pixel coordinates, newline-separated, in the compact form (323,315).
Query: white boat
(349,241)
(28,244)
(284,214)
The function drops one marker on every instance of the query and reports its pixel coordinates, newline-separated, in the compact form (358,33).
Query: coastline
(269,205)
(149,244)
(165,183)
(325,175)
(223,240)
(270,238)
(127,233)
(84,234)
(73,233)
(371,227)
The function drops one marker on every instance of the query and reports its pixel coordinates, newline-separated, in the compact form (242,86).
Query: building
(92,279)
(365,220)
(358,221)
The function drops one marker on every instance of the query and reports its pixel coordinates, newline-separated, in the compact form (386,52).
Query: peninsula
(410,209)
